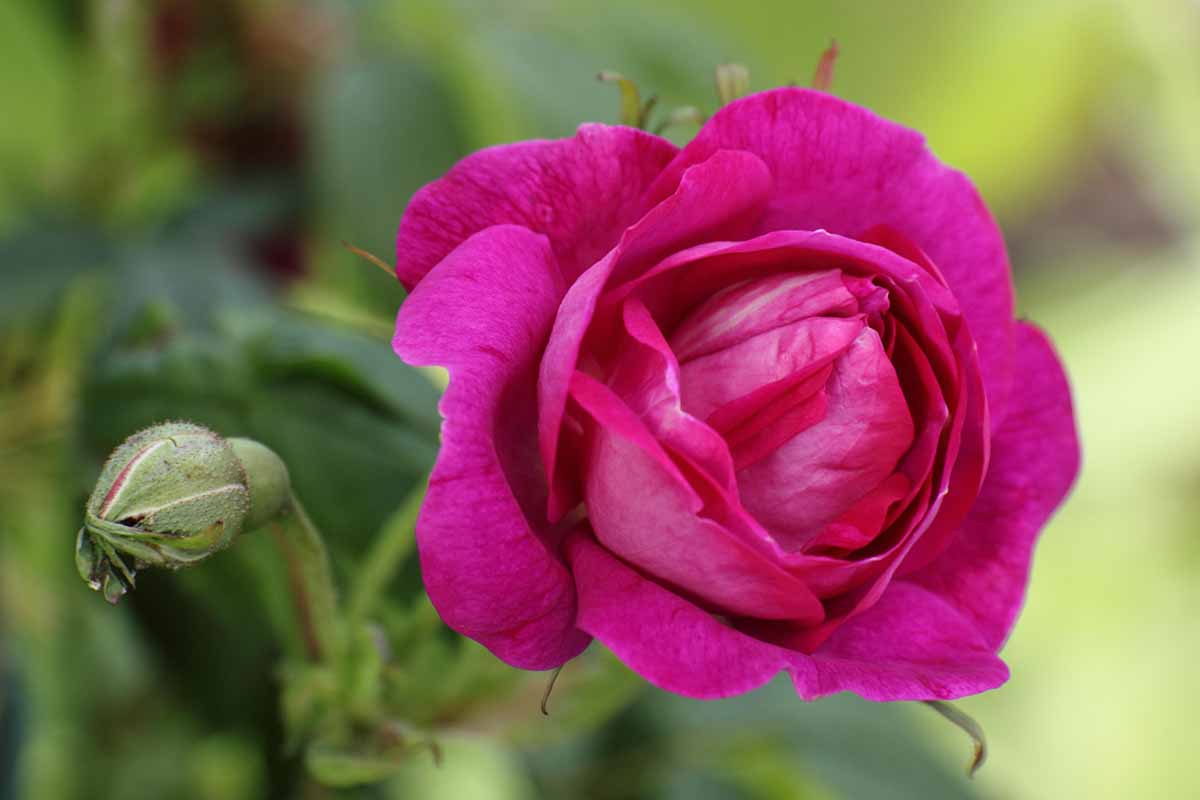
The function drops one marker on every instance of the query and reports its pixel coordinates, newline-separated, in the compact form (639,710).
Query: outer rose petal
(484,313)
(661,636)
(911,646)
(581,192)
(841,168)
(1035,458)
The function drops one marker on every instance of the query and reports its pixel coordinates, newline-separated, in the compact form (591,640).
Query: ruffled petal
(1035,458)
(667,640)
(720,198)
(911,645)
(839,167)
(580,192)
(484,313)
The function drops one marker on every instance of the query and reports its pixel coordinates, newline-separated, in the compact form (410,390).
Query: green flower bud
(171,496)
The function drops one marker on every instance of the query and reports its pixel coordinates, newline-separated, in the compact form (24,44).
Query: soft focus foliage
(175,179)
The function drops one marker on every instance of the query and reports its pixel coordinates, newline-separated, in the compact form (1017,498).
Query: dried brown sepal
(969,726)
(823,77)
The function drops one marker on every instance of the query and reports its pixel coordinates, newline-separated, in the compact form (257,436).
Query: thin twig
(969,726)
(369,257)
(549,689)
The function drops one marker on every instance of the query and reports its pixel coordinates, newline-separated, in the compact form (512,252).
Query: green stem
(310,579)
(391,549)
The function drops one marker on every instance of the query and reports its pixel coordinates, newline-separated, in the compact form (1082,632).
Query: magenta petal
(645,375)
(1035,458)
(841,168)
(580,192)
(723,197)
(911,645)
(662,637)
(484,313)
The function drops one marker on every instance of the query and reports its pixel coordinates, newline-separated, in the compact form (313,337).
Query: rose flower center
(794,373)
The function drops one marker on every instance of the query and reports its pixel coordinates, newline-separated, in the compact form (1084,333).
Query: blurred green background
(175,180)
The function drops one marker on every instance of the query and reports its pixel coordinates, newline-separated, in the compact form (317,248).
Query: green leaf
(38,263)
(36,95)
(287,347)
(194,274)
(383,126)
(365,761)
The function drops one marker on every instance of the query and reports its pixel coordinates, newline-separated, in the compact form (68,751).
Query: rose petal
(665,532)
(755,307)
(712,381)
(911,645)
(662,637)
(721,197)
(841,168)
(820,473)
(484,313)
(774,414)
(919,303)
(1035,458)
(967,448)
(646,376)
(862,522)
(580,192)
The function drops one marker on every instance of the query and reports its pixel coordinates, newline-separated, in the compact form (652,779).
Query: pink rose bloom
(758,404)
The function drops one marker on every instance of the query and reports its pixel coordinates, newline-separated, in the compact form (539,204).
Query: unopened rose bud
(171,496)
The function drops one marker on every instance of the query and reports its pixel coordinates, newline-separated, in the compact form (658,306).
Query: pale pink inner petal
(750,308)
(646,376)
(861,523)
(812,479)
(662,530)
(783,410)
(711,381)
